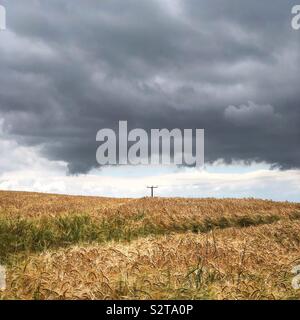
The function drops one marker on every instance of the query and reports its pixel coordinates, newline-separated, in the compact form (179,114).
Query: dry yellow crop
(150,248)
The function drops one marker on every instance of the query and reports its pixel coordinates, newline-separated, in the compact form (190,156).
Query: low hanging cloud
(68,69)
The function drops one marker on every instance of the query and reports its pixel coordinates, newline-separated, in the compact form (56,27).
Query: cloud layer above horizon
(70,68)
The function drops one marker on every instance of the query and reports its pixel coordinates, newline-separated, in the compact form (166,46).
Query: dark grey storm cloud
(69,68)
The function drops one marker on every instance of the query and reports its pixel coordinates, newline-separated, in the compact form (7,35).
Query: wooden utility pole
(152,188)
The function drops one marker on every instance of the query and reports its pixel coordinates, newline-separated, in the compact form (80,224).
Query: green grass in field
(23,235)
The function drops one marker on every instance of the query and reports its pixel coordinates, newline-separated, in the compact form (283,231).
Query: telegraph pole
(152,188)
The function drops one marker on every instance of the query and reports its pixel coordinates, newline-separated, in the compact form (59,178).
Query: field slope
(66,247)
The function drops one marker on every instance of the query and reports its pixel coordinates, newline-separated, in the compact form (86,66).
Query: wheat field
(67,247)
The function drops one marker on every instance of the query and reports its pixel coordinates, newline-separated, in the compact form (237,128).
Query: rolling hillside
(65,247)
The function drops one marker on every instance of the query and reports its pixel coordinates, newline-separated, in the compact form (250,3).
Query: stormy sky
(69,68)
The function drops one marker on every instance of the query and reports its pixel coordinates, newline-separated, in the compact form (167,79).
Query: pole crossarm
(152,190)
